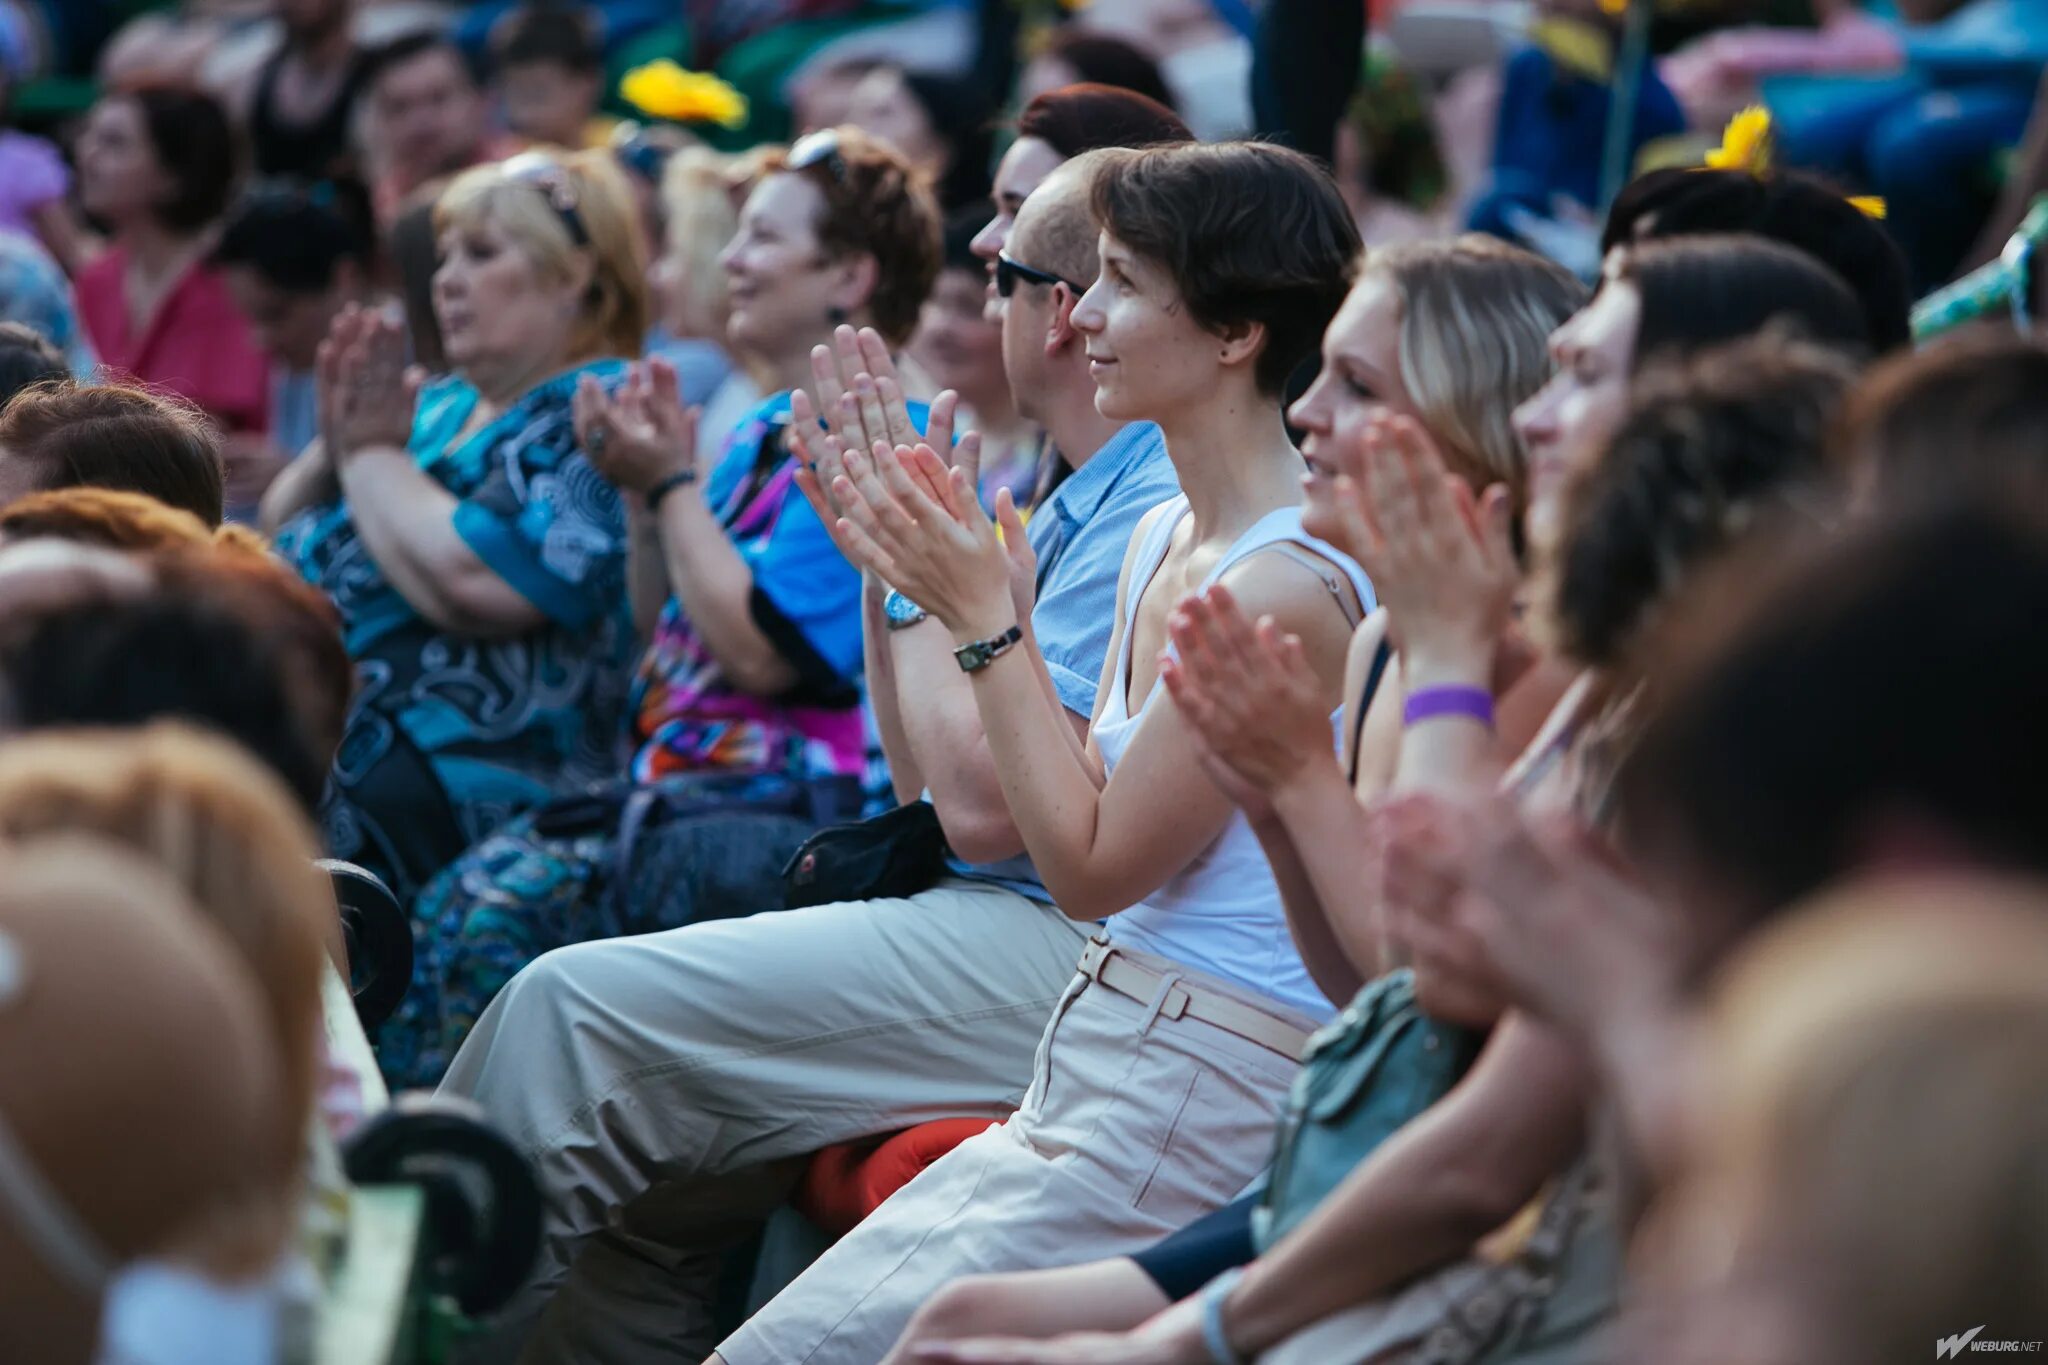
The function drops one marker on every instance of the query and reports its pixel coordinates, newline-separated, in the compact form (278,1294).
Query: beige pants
(667,1087)
(1134,1126)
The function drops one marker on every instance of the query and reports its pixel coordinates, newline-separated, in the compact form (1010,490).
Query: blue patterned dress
(450,736)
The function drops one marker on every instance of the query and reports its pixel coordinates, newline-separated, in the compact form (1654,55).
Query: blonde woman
(476,556)
(232,839)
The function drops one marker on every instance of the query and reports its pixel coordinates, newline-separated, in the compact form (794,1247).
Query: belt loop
(1160,993)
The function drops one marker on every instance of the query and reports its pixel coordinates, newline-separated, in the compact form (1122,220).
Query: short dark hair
(384,57)
(1967,410)
(191,137)
(117,436)
(296,235)
(1813,695)
(225,640)
(1250,233)
(876,204)
(1104,59)
(27,358)
(551,32)
(1088,117)
(1798,209)
(1707,442)
(1704,291)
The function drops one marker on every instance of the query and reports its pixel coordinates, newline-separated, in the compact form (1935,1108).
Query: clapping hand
(1249,694)
(640,434)
(365,389)
(1440,559)
(855,400)
(916,522)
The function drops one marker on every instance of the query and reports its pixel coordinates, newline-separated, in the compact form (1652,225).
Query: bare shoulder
(1304,592)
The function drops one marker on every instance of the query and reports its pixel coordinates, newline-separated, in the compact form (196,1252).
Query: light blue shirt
(1080,536)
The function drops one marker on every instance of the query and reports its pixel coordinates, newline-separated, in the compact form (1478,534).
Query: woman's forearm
(1326,824)
(646,571)
(407,522)
(1331,964)
(1424,1199)
(715,589)
(906,778)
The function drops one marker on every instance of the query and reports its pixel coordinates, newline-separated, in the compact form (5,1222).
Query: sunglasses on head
(639,152)
(1008,272)
(818,149)
(555,186)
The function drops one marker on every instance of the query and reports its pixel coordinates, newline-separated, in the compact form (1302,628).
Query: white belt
(1107,965)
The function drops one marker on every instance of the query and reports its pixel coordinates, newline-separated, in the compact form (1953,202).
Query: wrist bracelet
(1449,700)
(1214,1338)
(679,479)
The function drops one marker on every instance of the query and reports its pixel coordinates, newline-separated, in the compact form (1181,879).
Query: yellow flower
(1746,145)
(665,90)
(1869,205)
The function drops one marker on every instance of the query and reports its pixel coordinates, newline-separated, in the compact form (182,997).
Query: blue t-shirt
(1080,536)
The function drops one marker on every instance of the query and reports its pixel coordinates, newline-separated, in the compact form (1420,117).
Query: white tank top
(1222,913)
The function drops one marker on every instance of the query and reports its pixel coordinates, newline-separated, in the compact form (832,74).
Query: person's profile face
(775,267)
(119,175)
(1148,357)
(1565,426)
(1022,170)
(1359,380)
(289,324)
(492,301)
(882,106)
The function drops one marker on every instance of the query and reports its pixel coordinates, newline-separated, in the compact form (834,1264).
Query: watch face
(901,611)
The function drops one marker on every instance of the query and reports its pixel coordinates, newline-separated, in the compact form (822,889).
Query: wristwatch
(900,612)
(979,654)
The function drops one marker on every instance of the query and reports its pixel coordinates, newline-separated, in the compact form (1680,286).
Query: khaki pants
(667,1087)
(1135,1125)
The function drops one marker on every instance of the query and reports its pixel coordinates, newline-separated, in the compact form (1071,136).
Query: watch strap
(979,654)
(681,478)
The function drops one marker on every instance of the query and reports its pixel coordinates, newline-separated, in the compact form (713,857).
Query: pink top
(197,346)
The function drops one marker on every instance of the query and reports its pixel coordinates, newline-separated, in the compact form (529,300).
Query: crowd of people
(1177,761)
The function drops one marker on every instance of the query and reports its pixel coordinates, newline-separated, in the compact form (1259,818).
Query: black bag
(897,853)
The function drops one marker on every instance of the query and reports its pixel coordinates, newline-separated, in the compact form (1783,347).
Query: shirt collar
(1084,491)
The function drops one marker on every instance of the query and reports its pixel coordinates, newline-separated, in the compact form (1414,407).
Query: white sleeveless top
(1222,913)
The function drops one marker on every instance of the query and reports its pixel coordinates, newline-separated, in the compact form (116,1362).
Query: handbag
(897,853)
(1376,1066)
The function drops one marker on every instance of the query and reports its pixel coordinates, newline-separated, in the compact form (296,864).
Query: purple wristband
(1429,703)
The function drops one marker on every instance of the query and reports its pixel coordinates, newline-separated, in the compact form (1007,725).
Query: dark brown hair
(1090,116)
(1105,59)
(193,141)
(1249,232)
(27,358)
(117,436)
(876,205)
(1706,291)
(1706,445)
(1968,410)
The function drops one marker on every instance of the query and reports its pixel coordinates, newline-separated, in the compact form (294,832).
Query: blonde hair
(1476,319)
(1880,1111)
(228,833)
(614,317)
(700,197)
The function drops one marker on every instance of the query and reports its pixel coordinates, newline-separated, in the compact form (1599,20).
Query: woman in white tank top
(1166,1061)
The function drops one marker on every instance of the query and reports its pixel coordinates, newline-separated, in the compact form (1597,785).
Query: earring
(835,315)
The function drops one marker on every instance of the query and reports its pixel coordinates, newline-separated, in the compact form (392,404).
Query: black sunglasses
(555,186)
(1008,272)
